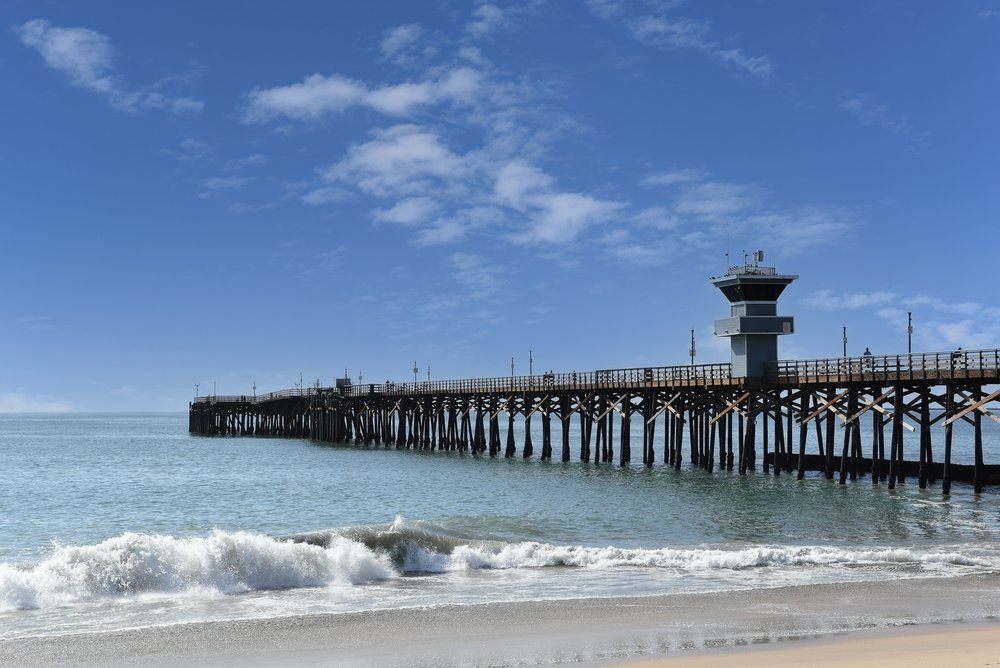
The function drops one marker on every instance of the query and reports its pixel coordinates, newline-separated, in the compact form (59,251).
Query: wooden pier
(700,416)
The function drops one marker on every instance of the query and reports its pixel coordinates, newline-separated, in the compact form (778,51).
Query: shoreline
(640,631)
(932,645)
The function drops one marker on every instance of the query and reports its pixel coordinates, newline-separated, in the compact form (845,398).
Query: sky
(239,194)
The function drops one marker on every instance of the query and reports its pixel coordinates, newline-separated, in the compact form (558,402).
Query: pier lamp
(196,386)
(531,363)
(255,390)
(692,351)
(428,373)
(845,340)
(416,370)
(909,332)
(511,366)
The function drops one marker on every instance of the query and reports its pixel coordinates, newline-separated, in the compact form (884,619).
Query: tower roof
(751,282)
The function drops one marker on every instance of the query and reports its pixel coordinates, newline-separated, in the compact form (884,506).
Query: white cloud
(11,402)
(476,275)
(675,177)
(682,33)
(561,217)
(676,34)
(517,178)
(713,200)
(795,230)
(605,9)
(757,65)
(399,40)
(408,211)
(938,324)
(314,97)
(657,217)
(227,182)
(442,231)
(192,148)
(401,160)
(398,100)
(87,58)
(869,112)
(255,160)
(326,195)
(487,19)
(829,300)
(318,96)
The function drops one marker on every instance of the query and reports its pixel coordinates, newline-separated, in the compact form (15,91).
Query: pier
(753,414)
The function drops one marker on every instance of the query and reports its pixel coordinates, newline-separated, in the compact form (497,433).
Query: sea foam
(223,562)
(236,562)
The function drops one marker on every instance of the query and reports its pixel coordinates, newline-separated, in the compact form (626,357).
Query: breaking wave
(236,562)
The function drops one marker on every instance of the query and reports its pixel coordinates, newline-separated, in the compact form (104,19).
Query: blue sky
(233,193)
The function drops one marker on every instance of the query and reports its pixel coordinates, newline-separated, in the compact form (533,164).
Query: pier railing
(936,367)
(639,377)
(932,367)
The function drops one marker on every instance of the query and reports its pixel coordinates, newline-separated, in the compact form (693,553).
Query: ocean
(126,521)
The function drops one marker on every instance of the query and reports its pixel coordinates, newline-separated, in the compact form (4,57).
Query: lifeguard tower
(753,325)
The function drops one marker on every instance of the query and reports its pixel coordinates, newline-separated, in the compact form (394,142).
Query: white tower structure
(753,325)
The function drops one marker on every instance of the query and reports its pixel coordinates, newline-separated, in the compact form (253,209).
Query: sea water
(127,521)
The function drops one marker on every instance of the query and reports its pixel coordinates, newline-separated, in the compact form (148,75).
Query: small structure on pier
(753,325)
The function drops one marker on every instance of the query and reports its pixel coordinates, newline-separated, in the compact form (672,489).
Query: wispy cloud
(192,149)
(675,177)
(86,57)
(12,402)
(831,301)
(217,185)
(876,114)
(486,20)
(408,211)
(703,213)
(318,96)
(249,162)
(227,182)
(666,31)
(941,324)
(399,42)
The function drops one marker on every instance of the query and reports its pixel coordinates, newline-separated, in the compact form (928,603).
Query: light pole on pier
(196,386)
(531,363)
(428,373)
(255,389)
(416,370)
(214,392)
(909,332)
(692,351)
(511,366)
(845,340)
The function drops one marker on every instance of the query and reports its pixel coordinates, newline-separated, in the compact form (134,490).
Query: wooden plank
(663,408)
(731,405)
(614,406)
(888,413)
(537,406)
(974,406)
(867,407)
(827,405)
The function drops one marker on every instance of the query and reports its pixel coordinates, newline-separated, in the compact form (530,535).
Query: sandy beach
(911,622)
(957,645)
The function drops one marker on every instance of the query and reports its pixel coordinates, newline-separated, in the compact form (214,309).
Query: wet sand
(869,621)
